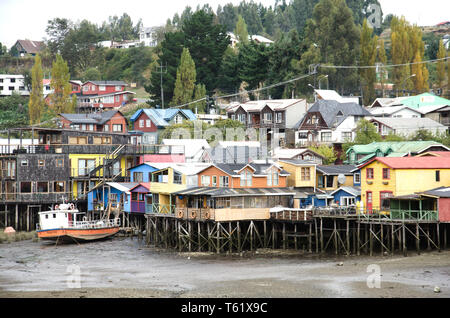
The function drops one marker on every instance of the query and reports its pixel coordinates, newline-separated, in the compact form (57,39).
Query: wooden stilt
(189,236)
(273,235)
(17,218)
(321,236)
(348,237)
(316,236)
(335,238)
(382,239)
(199,237)
(284,235)
(392,240)
(366,239)
(445,236)
(417,239)
(217,238)
(230,238)
(438,237)
(354,240)
(251,235)
(28,219)
(309,238)
(265,234)
(239,237)
(295,237)
(358,235)
(405,252)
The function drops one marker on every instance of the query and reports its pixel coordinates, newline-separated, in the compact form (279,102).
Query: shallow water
(123,263)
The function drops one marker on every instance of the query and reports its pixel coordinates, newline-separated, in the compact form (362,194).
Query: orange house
(252,175)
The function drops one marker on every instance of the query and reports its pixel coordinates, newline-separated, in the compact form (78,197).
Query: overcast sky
(27,19)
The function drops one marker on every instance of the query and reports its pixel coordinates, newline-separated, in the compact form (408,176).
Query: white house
(147,36)
(406,126)
(193,148)
(395,112)
(12,83)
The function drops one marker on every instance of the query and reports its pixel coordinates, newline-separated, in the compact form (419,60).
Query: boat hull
(77,234)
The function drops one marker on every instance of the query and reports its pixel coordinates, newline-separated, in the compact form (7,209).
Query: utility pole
(162,90)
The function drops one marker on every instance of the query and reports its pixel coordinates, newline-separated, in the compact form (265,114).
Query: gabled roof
(99,118)
(107,83)
(409,123)
(336,169)
(441,192)
(329,110)
(123,186)
(390,110)
(435,154)
(298,162)
(232,154)
(413,162)
(162,117)
(395,146)
(258,168)
(273,104)
(355,191)
(329,94)
(288,153)
(425,99)
(31,47)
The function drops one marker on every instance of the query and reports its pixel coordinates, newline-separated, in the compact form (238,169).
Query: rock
(9,230)
(189,257)
(340,264)
(437,289)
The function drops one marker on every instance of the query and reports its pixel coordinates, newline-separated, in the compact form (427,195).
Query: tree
(241,30)
(14,111)
(60,101)
(441,65)
(382,58)
(199,93)
(228,80)
(185,82)
(253,63)
(57,30)
(326,151)
(368,54)
(366,132)
(91,74)
(36,104)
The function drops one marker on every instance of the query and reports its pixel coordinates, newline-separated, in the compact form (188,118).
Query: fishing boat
(65,223)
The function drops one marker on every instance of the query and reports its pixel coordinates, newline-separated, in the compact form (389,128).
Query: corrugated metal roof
(226,192)
(161,117)
(336,169)
(415,162)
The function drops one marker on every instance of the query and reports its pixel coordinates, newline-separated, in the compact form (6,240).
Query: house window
(346,201)
(386,173)
(177,178)
(85,88)
(102,88)
(369,172)
(41,163)
(42,187)
(58,186)
(106,128)
(141,123)
(438,176)
(214,181)
(330,181)
(346,135)
(233,117)
(279,117)
(275,178)
(357,178)
(24,163)
(93,88)
(268,117)
(306,174)
(222,203)
(25,187)
(205,181)
(223,181)
(118,88)
(117,98)
(138,176)
(148,123)
(320,181)
(326,136)
(178,119)
(246,178)
(385,203)
(117,127)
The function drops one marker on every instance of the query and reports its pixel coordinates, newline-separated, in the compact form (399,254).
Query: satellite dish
(341,178)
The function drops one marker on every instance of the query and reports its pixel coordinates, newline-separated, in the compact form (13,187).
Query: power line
(375,66)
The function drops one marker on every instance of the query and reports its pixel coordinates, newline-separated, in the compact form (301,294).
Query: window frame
(372,174)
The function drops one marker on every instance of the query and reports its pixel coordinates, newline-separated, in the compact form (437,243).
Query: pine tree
(36,104)
(60,101)
(440,68)
(241,30)
(367,57)
(200,92)
(185,82)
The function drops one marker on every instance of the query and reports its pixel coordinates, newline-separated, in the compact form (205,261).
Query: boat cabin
(61,217)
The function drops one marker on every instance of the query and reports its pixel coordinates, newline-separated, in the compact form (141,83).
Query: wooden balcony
(195,214)
(292,215)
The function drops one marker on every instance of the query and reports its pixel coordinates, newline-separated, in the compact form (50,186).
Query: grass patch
(18,236)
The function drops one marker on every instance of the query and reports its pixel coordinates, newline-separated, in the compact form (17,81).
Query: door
(369,201)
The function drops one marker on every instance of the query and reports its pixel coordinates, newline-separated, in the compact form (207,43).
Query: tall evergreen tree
(60,101)
(440,69)
(241,30)
(36,104)
(199,93)
(382,58)
(186,77)
(367,58)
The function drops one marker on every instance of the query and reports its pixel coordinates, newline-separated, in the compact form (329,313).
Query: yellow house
(384,177)
(82,164)
(171,178)
(302,173)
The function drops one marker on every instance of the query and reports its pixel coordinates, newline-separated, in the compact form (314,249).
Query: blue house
(142,172)
(118,194)
(345,196)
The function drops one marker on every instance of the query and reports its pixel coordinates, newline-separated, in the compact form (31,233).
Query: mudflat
(126,268)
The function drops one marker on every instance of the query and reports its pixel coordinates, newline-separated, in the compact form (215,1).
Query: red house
(112,120)
(103,94)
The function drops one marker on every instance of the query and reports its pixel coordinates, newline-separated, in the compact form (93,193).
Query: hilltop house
(328,121)
(112,120)
(406,126)
(103,94)
(27,47)
(278,116)
(153,121)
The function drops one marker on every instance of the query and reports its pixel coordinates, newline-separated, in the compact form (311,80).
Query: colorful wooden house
(385,177)
(231,192)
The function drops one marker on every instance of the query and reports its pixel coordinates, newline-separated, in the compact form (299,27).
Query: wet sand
(126,268)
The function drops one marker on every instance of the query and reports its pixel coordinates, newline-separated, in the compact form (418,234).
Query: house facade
(406,126)
(328,122)
(107,121)
(103,94)
(27,47)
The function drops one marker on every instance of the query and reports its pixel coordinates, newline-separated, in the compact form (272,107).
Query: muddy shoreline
(126,268)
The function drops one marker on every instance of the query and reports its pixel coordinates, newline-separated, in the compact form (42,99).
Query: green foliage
(241,30)
(368,54)
(253,63)
(13,111)
(60,101)
(326,151)
(91,74)
(366,132)
(36,104)
(393,137)
(185,82)
(199,93)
